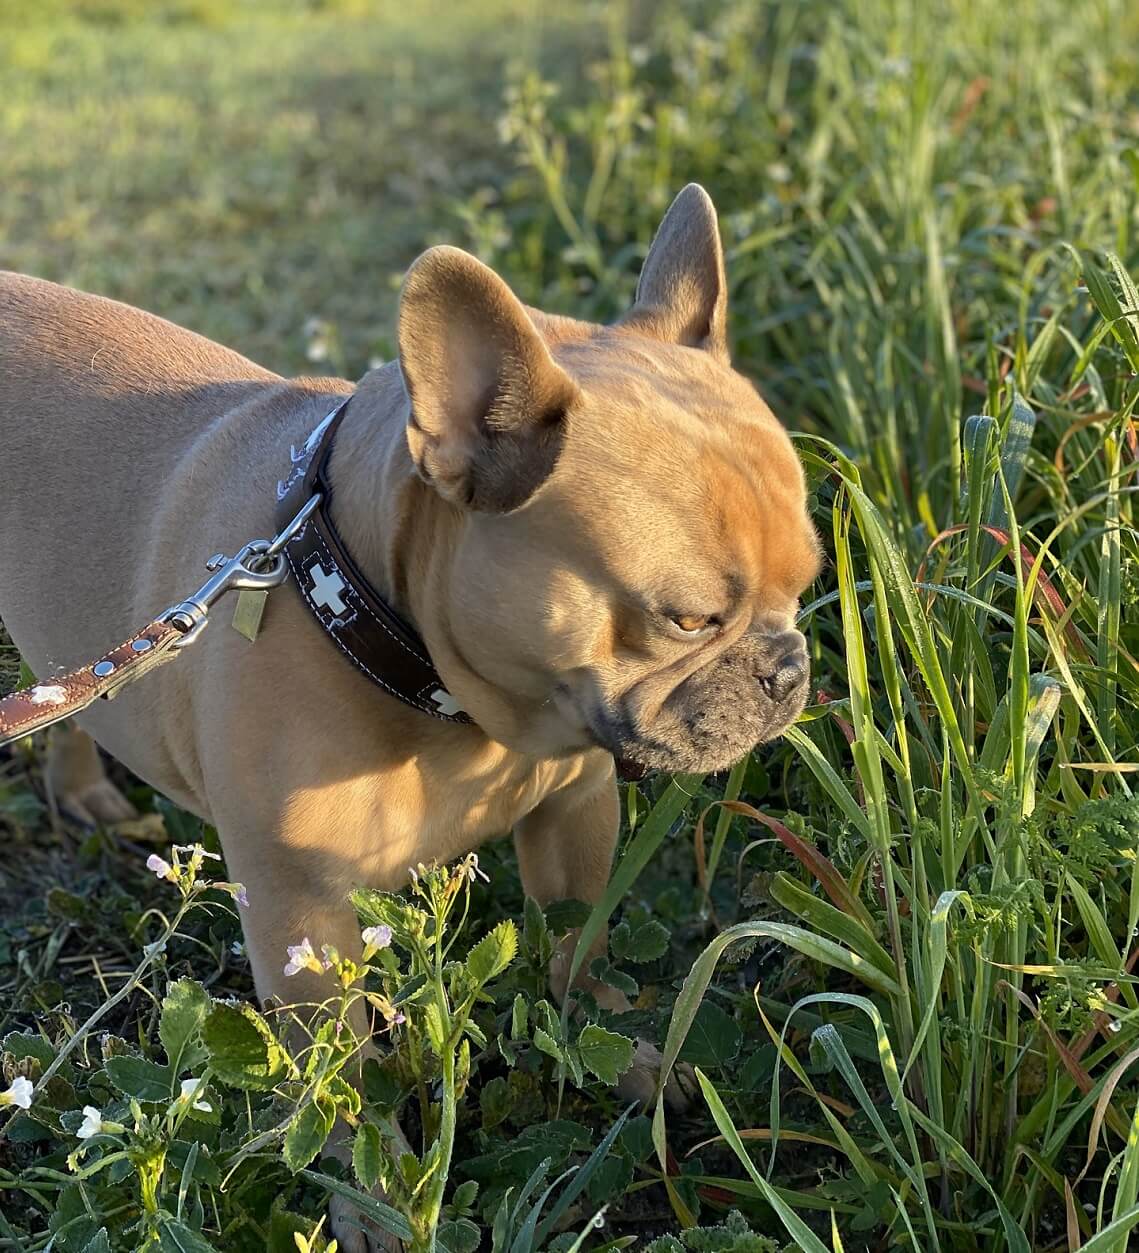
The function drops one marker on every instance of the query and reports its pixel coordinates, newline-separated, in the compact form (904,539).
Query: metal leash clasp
(258,566)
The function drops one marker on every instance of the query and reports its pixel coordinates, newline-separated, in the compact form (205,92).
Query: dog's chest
(466,809)
(427,809)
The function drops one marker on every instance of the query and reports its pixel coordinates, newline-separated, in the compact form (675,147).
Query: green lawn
(931,215)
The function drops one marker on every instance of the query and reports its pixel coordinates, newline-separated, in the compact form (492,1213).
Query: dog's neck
(394,525)
(404,537)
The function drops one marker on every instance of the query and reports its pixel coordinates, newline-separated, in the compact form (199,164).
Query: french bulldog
(599,532)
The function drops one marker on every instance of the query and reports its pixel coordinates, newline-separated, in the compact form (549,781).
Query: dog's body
(600,534)
(172,446)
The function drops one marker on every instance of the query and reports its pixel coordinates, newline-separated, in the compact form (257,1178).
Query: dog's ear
(488,401)
(682,295)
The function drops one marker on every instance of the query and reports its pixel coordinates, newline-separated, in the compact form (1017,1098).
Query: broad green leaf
(376,908)
(184,1009)
(435,1026)
(546,1043)
(648,942)
(519,1018)
(242,1048)
(605,1053)
(493,953)
(143,1080)
(602,969)
(459,1235)
(308,1131)
(534,932)
(176,1237)
(714,1038)
(495,1101)
(367,1155)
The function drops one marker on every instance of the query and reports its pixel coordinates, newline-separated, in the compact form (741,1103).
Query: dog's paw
(639,1082)
(100,803)
(356,1234)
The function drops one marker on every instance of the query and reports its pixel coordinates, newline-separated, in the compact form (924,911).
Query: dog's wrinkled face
(635,535)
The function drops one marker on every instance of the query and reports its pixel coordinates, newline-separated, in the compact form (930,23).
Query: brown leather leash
(353,614)
(259,566)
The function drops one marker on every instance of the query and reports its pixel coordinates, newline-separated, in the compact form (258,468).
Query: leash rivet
(141,646)
(102,668)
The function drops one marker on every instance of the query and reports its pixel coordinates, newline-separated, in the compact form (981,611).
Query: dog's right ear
(682,295)
(488,401)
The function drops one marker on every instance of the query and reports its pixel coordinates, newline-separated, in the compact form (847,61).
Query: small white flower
(48,694)
(19,1094)
(92,1123)
(376,937)
(237,948)
(471,868)
(190,1089)
(162,868)
(152,950)
(196,849)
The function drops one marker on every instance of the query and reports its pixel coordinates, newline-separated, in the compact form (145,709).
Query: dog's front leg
(296,895)
(565,852)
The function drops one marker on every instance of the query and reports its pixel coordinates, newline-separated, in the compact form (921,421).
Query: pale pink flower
(302,956)
(162,868)
(376,937)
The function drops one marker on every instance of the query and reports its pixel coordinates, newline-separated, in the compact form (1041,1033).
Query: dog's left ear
(488,401)
(682,295)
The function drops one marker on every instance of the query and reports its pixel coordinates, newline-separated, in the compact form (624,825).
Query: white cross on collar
(446,703)
(326,588)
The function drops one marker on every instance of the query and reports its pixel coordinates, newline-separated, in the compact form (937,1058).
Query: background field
(930,213)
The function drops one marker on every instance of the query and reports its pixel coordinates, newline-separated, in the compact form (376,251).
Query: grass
(900,942)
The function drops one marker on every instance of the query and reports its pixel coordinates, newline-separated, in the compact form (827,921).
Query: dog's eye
(690,623)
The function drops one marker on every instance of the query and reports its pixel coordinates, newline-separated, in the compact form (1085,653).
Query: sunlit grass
(930,219)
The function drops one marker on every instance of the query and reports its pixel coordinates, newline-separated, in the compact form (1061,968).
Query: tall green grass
(930,216)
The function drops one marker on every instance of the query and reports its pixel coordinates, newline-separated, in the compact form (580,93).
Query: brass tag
(247,613)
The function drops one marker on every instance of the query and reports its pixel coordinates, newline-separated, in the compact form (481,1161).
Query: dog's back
(99,404)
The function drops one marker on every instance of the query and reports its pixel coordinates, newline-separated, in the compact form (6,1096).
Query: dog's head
(634,536)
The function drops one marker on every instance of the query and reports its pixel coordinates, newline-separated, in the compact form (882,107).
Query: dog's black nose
(789,672)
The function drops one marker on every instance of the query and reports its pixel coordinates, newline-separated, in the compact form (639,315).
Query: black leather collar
(356,618)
